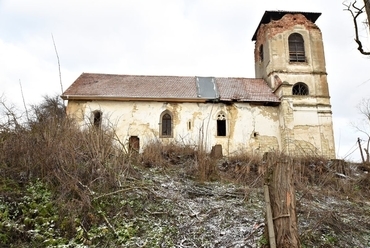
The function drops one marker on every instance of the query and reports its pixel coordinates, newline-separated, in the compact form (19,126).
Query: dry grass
(158,154)
(199,165)
(336,177)
(49,146)
(79,164)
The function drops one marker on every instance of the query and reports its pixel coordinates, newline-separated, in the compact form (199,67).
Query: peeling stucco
(142,121)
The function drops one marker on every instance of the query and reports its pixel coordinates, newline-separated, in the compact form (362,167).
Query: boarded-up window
(296,48)
(134,144)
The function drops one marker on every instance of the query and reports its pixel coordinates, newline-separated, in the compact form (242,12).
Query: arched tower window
(300,89)
(221,124)
(296,48)
(166,124)
(97,118)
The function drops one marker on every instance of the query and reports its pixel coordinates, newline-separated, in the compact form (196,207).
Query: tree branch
(355,14)
(60,73)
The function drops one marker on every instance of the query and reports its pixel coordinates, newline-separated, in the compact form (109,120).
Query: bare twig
(110,225)
(10,113)
(119,191)
(24,102)
(355,14)
(60,73)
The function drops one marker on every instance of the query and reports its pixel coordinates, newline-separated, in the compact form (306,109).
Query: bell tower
(289,56)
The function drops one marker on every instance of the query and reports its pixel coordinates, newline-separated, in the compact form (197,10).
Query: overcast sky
(167,37)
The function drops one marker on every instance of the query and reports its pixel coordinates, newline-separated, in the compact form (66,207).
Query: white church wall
(249,128)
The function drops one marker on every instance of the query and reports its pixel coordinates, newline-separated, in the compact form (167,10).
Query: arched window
(97,118)
(166,124)
(221,124)
(296,48)
(300,89)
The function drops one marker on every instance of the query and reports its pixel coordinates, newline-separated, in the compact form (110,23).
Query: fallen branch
(119,191)
(110,225)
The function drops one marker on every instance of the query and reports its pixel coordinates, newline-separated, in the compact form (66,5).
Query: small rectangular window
(134,144)
(221,127)
(97,118)
(189,125)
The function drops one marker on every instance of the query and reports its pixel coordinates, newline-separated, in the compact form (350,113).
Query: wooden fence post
(280,188)
(270,223)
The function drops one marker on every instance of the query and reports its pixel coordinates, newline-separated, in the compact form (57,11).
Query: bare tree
(364,127)
(356,12)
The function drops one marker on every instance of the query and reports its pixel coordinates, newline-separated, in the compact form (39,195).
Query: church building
(284,108)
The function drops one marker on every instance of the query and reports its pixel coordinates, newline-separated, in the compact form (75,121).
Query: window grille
(300,89)
(296,48)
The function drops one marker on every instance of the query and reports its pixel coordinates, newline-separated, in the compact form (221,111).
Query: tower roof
(269,16)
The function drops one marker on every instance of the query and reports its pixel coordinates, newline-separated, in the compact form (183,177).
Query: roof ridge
(173,76)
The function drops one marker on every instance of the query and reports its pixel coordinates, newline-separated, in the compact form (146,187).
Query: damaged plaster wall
(249,128)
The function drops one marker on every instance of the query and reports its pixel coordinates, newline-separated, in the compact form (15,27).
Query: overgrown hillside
(61,186)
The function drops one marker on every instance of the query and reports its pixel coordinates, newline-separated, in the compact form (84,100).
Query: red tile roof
(91,86)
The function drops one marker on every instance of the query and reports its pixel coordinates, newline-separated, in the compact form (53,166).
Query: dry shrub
(50,146)
(363,183)
(309,169)
(164,155)
(244,169)
(195,162)
(152,155)
(205,167)
(336,177)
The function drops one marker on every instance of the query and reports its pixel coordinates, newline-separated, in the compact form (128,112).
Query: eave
(178,100)
(118,98)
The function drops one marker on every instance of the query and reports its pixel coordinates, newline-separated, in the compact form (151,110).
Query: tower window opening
(300,89)
(261,53)
(296,48)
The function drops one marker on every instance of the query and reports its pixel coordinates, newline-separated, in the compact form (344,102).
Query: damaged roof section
(269,16)
(206,87)
(93,86)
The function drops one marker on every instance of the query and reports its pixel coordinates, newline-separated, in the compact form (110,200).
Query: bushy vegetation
(63,186)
